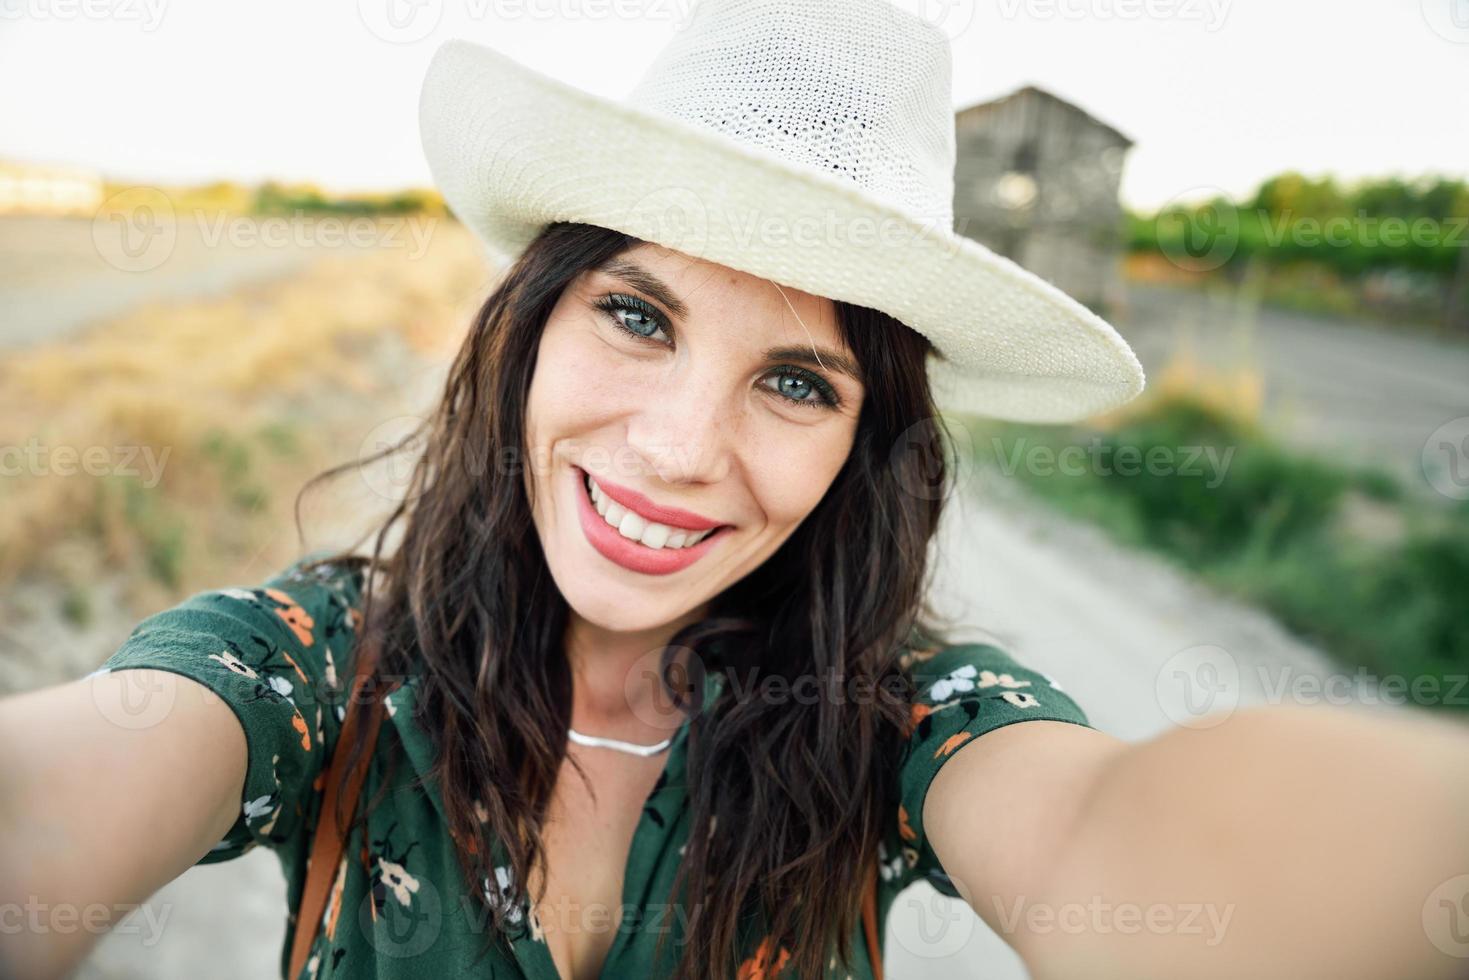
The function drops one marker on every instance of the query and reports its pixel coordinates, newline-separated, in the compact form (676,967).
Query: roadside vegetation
(1346,558)
(1389,249)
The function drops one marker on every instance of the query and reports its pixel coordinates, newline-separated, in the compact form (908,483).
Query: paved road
(1366,393)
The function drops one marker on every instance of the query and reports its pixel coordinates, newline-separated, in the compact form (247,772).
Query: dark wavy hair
(800,791)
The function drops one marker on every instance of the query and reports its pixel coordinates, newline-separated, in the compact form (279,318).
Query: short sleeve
(276,654)
(961,692)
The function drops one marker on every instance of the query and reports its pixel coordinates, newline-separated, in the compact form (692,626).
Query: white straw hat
(808,142)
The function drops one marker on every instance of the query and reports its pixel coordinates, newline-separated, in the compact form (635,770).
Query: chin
(631,614)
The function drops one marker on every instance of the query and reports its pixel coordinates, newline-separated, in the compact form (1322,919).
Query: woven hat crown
(859,89)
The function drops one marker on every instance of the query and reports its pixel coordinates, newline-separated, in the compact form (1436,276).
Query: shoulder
(315,605)
(276,653)
(960,693)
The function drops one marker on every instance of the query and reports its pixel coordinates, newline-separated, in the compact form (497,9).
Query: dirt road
(55,278)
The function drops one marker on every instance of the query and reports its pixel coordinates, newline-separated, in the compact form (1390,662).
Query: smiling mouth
(637,528)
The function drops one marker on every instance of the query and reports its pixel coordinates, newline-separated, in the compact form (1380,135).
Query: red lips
(684,520)
(634,555)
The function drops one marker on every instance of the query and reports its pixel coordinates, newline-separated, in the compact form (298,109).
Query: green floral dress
(398,906)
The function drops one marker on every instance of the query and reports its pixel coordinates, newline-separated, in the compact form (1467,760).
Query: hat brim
(513,150)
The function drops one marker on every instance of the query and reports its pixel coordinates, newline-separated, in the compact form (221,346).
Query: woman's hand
(110,787)
(1285,842)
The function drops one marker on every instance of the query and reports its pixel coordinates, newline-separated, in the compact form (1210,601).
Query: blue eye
(803,387)
(642,320)
(798,388)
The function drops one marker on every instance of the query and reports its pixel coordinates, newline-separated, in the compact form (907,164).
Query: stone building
(1036,180)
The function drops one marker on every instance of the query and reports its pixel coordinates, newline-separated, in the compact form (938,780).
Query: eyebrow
(635,276)
(817,357)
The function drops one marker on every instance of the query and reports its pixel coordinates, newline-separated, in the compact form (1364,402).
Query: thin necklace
(631,748)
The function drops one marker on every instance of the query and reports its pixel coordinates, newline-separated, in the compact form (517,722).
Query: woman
(648,627)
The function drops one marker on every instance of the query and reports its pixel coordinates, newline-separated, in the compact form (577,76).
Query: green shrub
(1266,530)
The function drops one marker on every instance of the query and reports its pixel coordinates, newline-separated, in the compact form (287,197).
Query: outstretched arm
(1284,842)
(110,786)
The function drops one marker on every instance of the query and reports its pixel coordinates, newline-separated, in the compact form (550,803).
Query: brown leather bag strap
(869,925)
(328,842)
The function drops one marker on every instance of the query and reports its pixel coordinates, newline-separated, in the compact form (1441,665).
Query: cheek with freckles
(582,384)
(789,473)
(572,384)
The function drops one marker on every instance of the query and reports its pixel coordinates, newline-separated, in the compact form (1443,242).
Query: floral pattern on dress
(962,692)
(391,881)
(333,911)
(270,653)
(765,963)
(504,880)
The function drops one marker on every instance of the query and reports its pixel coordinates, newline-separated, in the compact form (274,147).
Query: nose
(685,430)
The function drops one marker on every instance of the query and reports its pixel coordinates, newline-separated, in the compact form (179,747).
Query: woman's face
(709,417)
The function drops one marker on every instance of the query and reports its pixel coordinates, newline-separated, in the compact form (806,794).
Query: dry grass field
(160,451)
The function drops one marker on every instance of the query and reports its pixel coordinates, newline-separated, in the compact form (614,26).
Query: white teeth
(632,526)
(638,528)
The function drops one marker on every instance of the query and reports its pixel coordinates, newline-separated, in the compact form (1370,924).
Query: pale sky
(1216,93)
